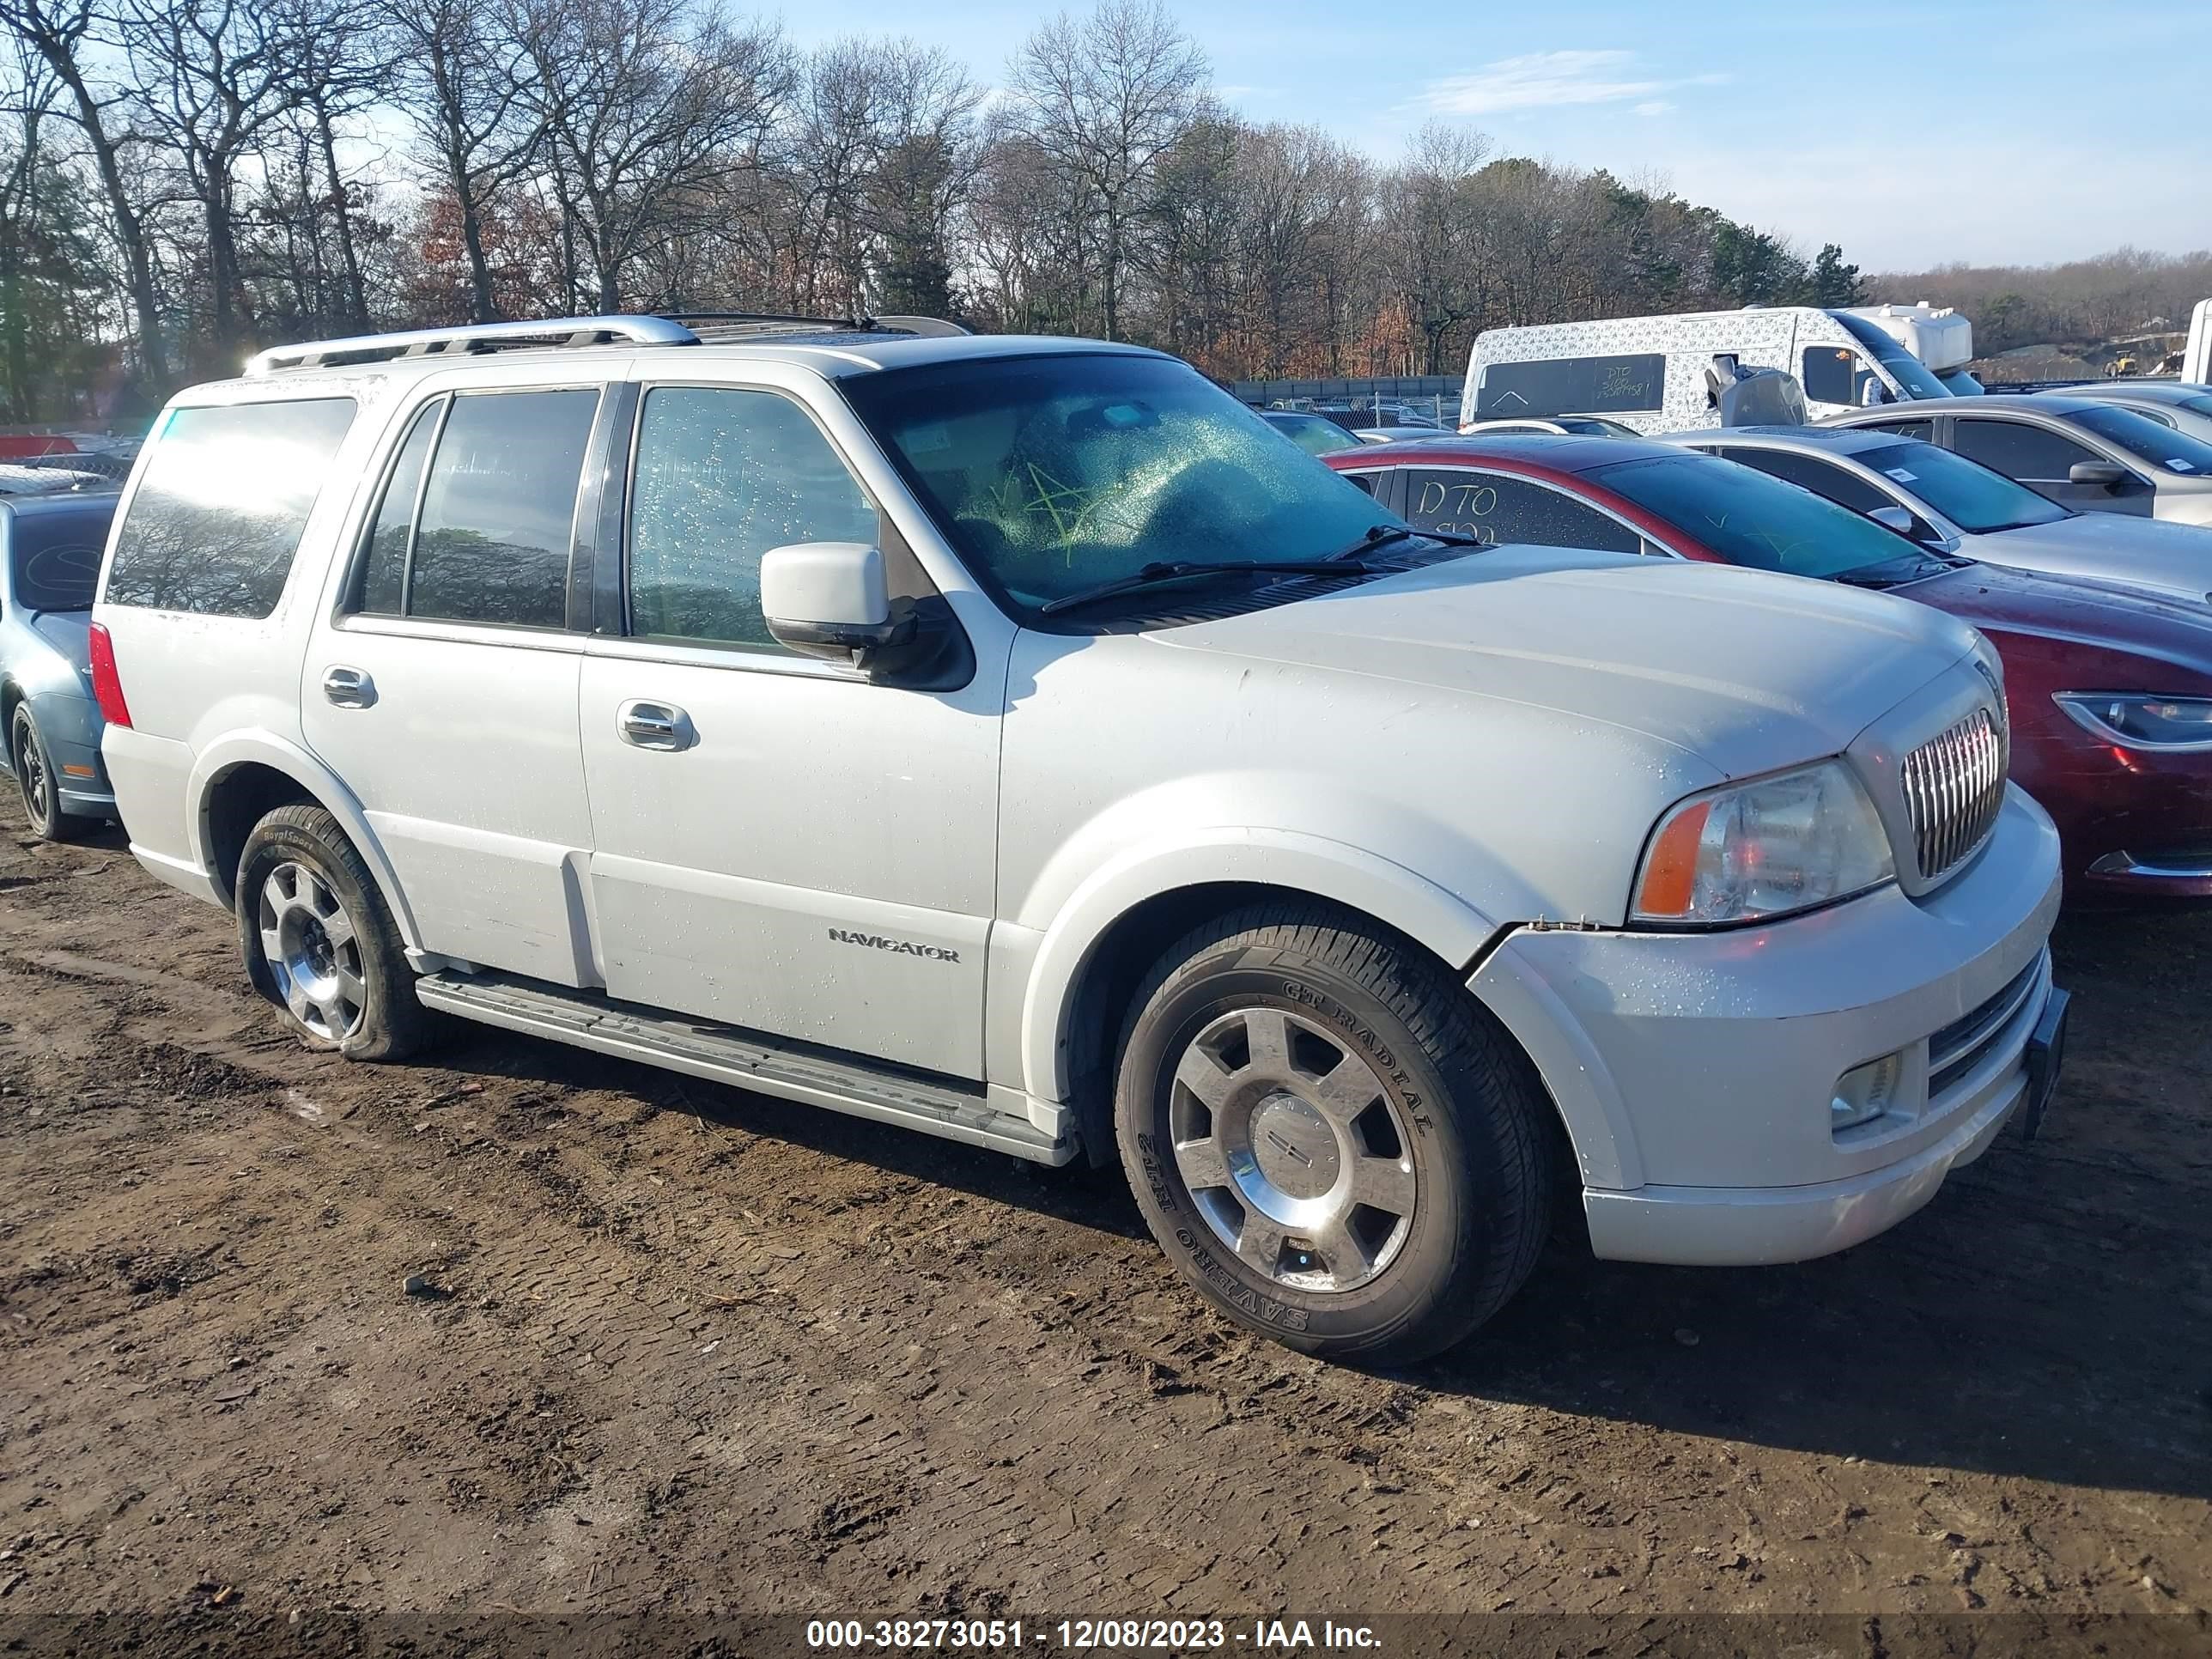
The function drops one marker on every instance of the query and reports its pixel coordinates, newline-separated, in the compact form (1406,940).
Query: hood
(2157,554)
(1747,670)
(2000,601)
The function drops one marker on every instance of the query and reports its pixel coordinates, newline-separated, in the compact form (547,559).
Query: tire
(1437,1119)
(38,783)
(319,943)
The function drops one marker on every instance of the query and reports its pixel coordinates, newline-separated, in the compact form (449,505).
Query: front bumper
(1694,1070)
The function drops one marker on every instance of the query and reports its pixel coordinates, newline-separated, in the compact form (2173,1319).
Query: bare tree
(1103,98)
(465,82)
(210,75)
(61,32)
(647,107)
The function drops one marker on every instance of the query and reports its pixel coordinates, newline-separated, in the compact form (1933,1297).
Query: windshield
(2146,440)
(1314,434)
(56,559)
(1053,474)
(1970,496)
(1907,370)
(1961,383)
(1750,519)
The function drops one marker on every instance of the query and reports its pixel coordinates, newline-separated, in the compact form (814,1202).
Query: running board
(744,1060)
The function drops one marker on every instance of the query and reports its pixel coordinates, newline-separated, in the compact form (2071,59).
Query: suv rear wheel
(40,786)
(1329,1138)
(319,943)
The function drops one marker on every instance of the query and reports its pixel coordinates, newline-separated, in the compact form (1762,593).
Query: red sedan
(2109,690)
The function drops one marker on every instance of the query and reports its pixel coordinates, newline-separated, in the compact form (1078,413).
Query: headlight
(2142,722)
(1764,848)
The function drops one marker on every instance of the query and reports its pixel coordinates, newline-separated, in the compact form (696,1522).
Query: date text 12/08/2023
(1270,1636)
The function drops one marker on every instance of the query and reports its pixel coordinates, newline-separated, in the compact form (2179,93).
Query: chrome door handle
(659,725)
(349,687)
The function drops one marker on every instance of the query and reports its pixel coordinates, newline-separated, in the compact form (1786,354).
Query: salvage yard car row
(1018,741)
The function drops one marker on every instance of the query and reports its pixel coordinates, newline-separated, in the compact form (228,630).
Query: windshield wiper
(1175,570)
(1382,534)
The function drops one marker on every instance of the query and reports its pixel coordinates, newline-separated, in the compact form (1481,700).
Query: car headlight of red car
(2136,721)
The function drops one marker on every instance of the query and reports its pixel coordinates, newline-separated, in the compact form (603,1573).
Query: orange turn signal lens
(1670,874)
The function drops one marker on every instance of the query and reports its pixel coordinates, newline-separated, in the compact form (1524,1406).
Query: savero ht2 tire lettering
(320,944)
(1327,1136)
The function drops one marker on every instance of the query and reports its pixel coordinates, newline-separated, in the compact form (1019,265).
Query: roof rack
(474,337)
(724,323)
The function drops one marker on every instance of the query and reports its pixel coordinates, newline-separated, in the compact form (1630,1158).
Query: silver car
(1943,499)
(2081,452)
(2182,404)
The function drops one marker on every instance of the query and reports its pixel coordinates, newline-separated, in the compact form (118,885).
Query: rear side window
(1625,385)
(1495,508)
(222,504)
(486,535)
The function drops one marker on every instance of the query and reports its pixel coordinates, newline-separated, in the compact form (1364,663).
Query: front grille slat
(1953,789)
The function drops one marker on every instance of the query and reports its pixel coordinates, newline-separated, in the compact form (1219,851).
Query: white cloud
(1539,80)
(1653,106)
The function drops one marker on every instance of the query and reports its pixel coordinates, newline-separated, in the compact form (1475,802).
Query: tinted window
(722,476)
(1573,385)
(2147,441)
(1924,430)
(1821,477)
(222,504)
(1055,473)
(1749,519)
(56,559)
(499,510)
(381,585)
(1312,432)
(1836,375)
(2020,450)
(1498,508)
(1970,496)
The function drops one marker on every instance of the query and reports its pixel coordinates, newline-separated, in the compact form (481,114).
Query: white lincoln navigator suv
(1017,740)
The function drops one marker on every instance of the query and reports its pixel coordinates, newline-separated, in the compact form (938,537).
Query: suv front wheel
(319,943)
(1327,1137)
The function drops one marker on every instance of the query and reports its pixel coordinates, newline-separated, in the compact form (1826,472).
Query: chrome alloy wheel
(1292,1150)
(309,941)
(31,775)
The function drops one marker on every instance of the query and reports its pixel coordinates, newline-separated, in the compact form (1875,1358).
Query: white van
(1648,373)
(2197,356)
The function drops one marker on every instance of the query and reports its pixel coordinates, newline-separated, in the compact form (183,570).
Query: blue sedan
(50,549)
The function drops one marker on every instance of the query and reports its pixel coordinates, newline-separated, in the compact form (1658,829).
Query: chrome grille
(1953,786)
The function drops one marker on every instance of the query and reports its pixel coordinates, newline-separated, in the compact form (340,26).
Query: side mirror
(1893,517)
(2104,474)
(830,600)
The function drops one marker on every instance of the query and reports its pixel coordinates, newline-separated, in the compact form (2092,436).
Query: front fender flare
(261,748)
(1311,866)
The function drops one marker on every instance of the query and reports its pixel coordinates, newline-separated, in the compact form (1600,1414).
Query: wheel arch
(240,779)
(1113,928)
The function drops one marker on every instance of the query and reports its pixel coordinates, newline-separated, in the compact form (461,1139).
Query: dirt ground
(696,1354)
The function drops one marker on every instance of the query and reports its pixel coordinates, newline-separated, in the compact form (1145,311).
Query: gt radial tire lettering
(1378,1050)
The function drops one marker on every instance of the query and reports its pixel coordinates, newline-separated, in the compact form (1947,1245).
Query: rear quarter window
(221,506)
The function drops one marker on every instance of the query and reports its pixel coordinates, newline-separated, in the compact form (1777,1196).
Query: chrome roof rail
(473,337)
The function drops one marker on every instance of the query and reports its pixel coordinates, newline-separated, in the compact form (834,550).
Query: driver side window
(722,475)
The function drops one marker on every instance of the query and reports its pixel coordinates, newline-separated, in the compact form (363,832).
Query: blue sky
(1914,134)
